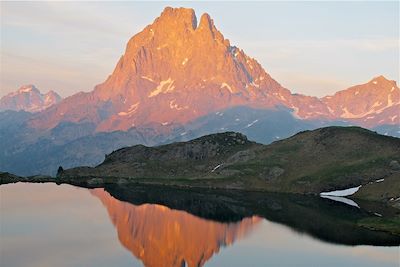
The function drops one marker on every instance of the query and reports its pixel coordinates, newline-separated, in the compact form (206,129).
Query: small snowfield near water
(341,193)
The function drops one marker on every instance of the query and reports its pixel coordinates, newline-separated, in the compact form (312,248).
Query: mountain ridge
(178,80)
(29,98)
(176,71)
(309,162)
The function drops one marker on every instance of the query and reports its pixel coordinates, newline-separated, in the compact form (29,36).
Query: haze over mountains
(179,79)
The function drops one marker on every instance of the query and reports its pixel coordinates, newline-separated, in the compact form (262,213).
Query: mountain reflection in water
(67,226)
(160,236)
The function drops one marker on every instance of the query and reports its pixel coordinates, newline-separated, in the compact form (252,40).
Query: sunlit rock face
(160,236)
(376,102)
(178,69)
(175,70)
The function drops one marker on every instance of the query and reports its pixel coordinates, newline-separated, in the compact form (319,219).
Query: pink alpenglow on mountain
(178,69)
(374,103)
(29,98)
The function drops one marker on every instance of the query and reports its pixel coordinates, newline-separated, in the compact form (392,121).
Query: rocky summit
(28,98)
(178,69)
(179,79)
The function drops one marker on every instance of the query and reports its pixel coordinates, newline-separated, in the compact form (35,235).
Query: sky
(313,48)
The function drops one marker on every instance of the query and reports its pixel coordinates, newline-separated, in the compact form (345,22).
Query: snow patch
(225,85)
(341,193)
(47,98)
(379,181)
(161,47)
(375,82)
(392,89)
(131,110)
(390,102)
(147,78)
(251,124)
(331,110)
(173,105)
(185,61)
(393,118)
(282,97)
(348,115)
(163,87)
(255,85)
(25,90)
(216,167)
(356,93)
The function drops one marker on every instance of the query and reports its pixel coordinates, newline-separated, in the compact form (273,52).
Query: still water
(62,225)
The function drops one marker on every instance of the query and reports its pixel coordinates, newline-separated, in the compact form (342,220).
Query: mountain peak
(206,22)
(382,80)
(180,15)
(176,70)
(28,88)
(29,98)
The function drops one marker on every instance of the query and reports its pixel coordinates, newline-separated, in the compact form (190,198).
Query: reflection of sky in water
(49,225)
(277,245)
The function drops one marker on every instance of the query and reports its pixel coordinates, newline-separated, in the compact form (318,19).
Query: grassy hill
(325,159)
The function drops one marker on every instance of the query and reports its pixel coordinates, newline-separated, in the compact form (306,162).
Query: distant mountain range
(30,99)
(178,80)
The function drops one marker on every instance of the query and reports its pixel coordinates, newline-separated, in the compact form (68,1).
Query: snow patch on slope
(173,105)
(251,124)
(163,87)
(131,110)
(225,85)
(147,78)
(341,193)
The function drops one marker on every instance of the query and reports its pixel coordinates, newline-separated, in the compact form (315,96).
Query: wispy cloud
(64,18)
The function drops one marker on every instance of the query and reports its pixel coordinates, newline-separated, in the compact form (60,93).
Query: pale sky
(314,48)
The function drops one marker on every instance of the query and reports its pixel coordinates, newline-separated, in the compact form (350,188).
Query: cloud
(287,47)
(63,18)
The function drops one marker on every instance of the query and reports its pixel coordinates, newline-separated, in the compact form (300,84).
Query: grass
(391,225)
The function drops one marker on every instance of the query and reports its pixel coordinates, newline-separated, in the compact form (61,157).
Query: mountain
(29,98)
(325,159)
(194,239)
(177,70)
(374,103)
(177,80)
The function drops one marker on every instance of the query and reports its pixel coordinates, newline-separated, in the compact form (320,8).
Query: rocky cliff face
(29,98)
(160,236)
(178,69)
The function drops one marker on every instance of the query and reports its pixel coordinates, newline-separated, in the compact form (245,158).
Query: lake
(63,225)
